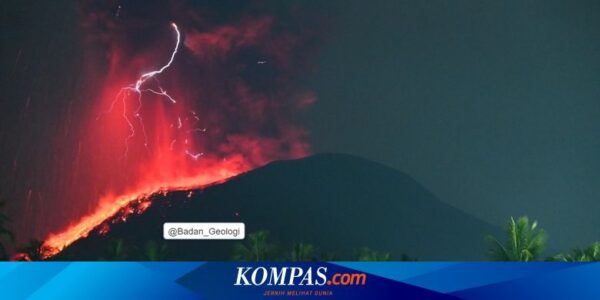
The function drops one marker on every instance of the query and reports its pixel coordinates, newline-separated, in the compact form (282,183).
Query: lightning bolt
(138,90)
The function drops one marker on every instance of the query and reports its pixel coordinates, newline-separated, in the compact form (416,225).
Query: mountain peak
(337,202)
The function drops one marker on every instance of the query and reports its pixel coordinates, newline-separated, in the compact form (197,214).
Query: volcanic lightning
(136,88)
(177,136)
(139,197)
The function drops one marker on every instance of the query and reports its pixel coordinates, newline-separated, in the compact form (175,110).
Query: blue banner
(336,280)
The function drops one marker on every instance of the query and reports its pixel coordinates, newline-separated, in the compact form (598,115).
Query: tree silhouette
(367,254)
(525,242)
(589,254)
(5,234)
(116,249)
(302,252)
(256,247)
(155,251)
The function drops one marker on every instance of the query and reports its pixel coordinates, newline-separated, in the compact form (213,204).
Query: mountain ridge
(338,202)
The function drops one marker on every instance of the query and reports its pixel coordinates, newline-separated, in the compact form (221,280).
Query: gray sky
(492,105)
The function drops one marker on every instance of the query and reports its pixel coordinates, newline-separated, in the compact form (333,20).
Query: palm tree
(525,242)
(589,254)
(35,250)
(366,254)
(255,248)
(5,234)
(303,252)
(155,251)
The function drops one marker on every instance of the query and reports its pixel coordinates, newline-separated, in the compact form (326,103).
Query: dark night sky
(492,105)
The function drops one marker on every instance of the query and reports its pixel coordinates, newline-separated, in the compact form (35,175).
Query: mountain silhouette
(337,202)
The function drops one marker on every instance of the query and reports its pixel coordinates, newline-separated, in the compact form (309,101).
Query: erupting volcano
(178,106)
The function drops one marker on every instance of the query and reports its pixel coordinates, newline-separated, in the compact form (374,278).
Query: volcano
(337,202)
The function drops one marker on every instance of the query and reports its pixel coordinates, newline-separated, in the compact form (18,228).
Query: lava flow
(169,107)
(164,160)
(111,204)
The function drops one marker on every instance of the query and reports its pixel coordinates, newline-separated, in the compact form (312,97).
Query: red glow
(205,136)
(111,204)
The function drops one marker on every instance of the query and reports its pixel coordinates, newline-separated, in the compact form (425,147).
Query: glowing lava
(112,204)
(222,115)
(164,172)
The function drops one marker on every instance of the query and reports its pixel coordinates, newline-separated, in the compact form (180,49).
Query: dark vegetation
(321,208)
